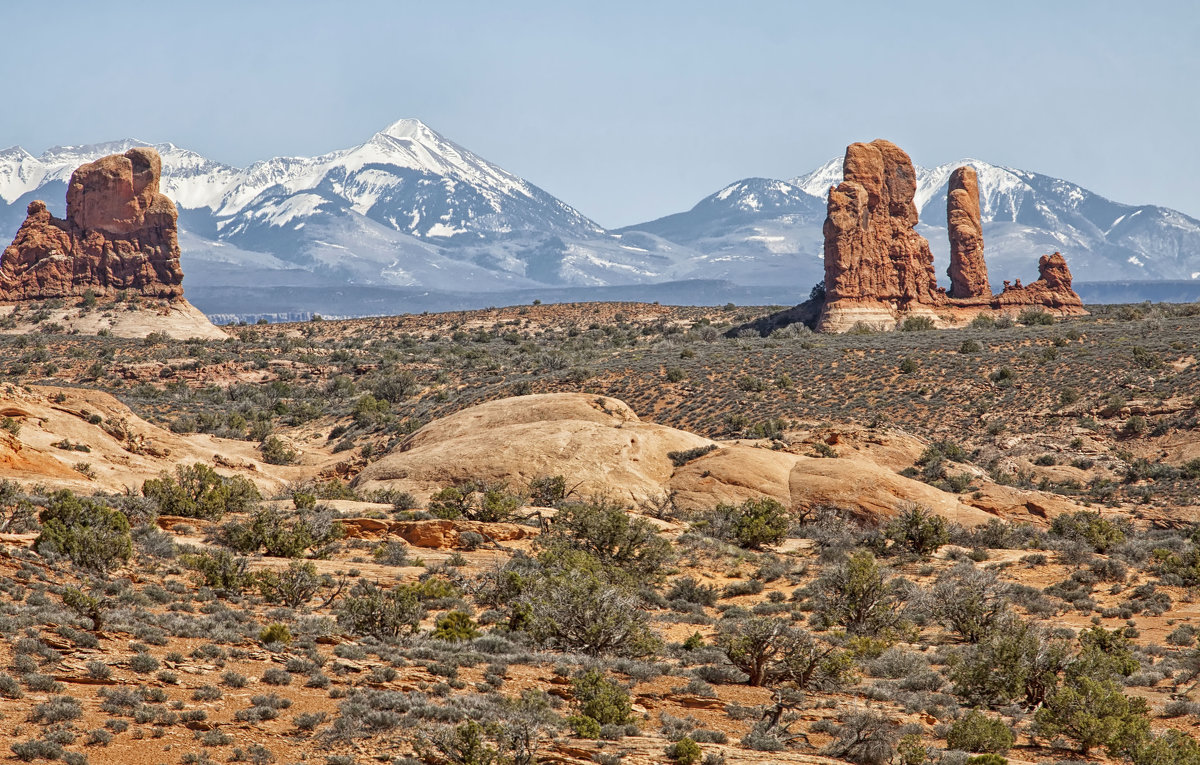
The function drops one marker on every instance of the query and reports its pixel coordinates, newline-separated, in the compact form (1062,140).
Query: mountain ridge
(411,208)
(1025,214)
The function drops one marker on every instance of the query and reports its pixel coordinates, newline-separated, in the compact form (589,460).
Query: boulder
(435,535)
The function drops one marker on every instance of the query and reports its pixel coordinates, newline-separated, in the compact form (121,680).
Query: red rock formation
(871,249)
(968,271)
(119,234)
(1051,290)
(878,269)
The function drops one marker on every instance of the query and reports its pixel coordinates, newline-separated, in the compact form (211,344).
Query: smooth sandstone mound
(596,442)
(601,447)
(122,449)
(178,319)
(879,270)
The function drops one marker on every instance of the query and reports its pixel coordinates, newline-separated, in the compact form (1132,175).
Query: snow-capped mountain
(406,208)
(1027,213)
(754,231)
(413,212)
(760,227)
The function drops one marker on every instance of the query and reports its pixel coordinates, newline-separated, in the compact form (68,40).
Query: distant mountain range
(413,215)
(762,229)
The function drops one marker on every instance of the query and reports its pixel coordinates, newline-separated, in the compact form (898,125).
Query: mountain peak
(409,129)
(15,154)
(818,181)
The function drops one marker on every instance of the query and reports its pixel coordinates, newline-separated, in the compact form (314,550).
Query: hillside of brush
(616,533)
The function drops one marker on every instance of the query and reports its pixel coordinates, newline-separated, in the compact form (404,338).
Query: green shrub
(753,524)
(275,633)
(395,387)
(1035,317)
(760,522)
(1003,377)
(391,553)
(628,548)
(275,452)
(987,759)
(1016,660)
(489,503)
(1085,526)
(579,610)
(685,751)
(601,698)
(858,596)
(770,651)
(219,569)
(547,491)
(1133,427)
(91,534)
(199,491)
(917,530)
(683,457)
(455,627)
(84,605)
(1093,712)
(1172,747)
(983,321)
(583,726)
(283,536)
(976,732)
(293,586)
(372,610)
(916,324)
(690,590)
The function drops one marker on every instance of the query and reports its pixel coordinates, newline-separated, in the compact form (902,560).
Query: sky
(629,110)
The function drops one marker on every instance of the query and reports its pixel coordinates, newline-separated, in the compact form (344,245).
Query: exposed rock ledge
(879,270)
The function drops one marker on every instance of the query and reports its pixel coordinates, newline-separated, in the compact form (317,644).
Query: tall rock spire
(968,271)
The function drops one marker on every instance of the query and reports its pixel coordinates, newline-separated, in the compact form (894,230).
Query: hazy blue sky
(630,110)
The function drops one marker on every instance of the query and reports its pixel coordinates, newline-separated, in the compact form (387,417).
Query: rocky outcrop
(598,442)
(119,234)
(434,534)
(871,249)
(1052,290)
(602,448)
(968,271)
(879,270)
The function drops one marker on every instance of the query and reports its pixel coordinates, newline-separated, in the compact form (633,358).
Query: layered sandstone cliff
(119,235)
(879,270)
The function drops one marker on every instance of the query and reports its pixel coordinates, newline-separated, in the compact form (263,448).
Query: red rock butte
(120,234)
(879,270)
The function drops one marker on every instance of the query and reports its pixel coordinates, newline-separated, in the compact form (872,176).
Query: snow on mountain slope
(1026,213)
(408,207)
(754,231)
(752,237)
(817,182)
